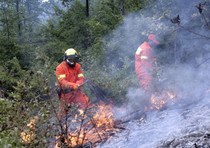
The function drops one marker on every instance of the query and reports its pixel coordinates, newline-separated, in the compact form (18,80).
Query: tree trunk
(87,8)
(18,15)
(122,7)
(29,15)
(6,21)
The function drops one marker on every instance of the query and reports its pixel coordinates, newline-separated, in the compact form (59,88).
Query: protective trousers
(66,100)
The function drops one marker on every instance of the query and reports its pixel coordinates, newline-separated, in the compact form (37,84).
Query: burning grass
(159,99)
(28,135)
(95,126)
(92,126)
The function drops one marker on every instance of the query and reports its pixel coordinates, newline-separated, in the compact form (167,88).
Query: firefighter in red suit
(69,76)
(144,59)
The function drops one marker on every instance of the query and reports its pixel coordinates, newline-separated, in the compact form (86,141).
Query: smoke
(180,51)
(184,56)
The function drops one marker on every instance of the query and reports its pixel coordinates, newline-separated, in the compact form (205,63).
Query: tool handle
(83,83)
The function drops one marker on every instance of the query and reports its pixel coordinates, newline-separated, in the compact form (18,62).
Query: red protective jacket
(143,65)
(67,78)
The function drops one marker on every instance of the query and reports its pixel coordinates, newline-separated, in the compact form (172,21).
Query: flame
(28,135)
(158,100)
(94,130)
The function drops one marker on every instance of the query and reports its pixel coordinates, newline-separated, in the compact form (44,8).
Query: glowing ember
(28,136)
(94,129)
(158,100)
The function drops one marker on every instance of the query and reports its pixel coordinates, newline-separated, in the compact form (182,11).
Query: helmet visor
(71,62)
(73,59)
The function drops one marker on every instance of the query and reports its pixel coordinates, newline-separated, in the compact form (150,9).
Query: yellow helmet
(71,57)
(70,53)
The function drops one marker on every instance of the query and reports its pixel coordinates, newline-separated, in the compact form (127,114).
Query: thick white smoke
(188,72)
(184,71)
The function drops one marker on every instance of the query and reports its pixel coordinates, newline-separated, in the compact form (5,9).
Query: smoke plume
(184,53)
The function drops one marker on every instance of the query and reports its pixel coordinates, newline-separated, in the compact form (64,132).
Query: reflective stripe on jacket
(143,64)
(67,77)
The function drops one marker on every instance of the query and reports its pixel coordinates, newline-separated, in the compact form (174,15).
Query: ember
(94,130)
(158,100)
(28,136)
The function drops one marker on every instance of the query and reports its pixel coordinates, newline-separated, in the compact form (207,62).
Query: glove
(76,87)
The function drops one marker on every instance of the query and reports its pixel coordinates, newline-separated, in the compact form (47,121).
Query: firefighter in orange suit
(144,59)
(69,76)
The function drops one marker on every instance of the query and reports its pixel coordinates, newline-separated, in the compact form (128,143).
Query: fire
(158,100)
(95,128)
(28,136)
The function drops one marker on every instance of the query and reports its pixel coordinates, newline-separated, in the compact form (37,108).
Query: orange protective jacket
(67,78)
(143,65)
